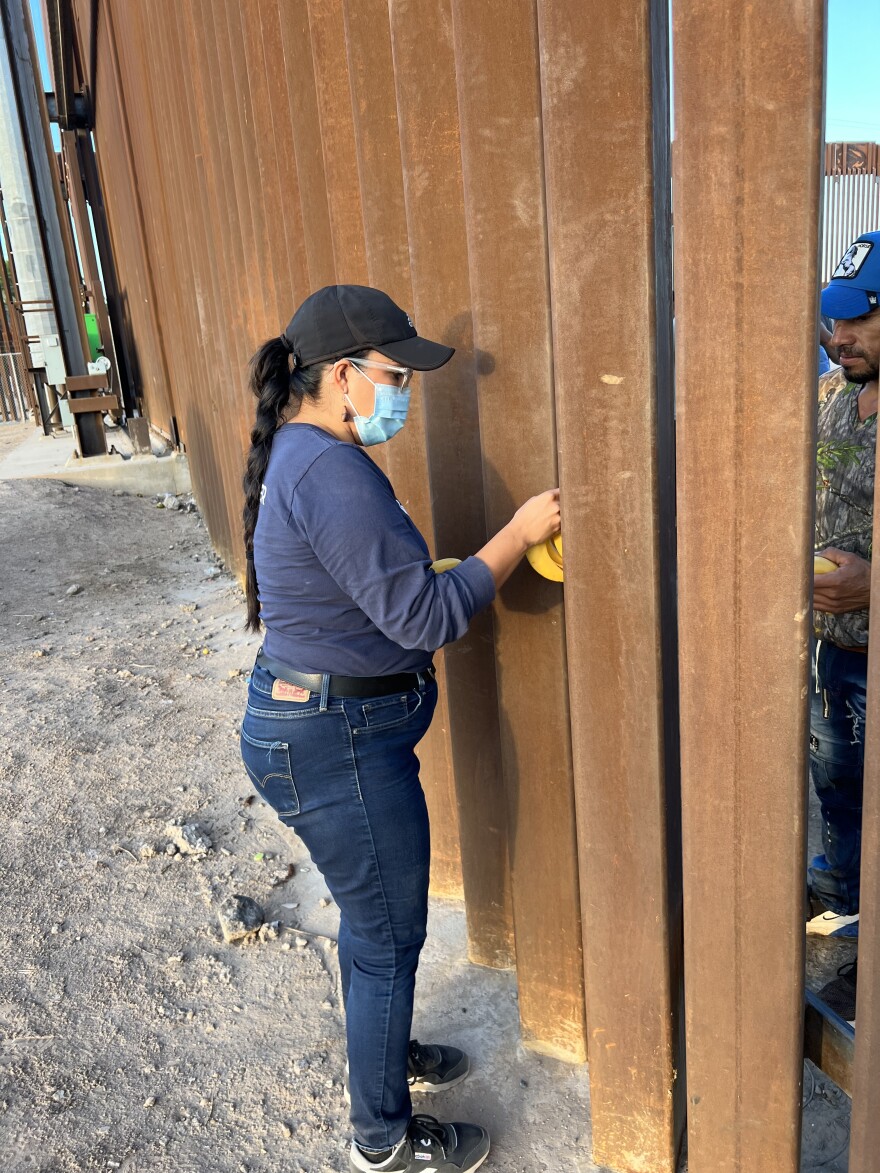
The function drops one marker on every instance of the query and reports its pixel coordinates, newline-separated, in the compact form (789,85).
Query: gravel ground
(131,1035)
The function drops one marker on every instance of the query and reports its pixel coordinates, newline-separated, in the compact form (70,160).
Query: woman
(343,687)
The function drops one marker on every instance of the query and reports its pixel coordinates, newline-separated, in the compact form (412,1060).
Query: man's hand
(846,589)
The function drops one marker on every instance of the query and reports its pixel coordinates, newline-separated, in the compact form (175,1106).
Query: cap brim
(419,353)
(842,302)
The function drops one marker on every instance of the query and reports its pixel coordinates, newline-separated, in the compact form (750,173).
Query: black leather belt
(346,685)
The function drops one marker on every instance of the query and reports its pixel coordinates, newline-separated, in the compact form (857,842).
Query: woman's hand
(538,519)
(532,523)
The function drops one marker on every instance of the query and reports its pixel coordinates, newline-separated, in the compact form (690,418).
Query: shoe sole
(480,1160)
(421,1088)
(464,1169)
(833,925)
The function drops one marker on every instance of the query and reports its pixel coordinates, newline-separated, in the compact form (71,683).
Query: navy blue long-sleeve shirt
(344,576)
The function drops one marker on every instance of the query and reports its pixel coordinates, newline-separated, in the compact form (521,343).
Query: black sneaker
(432,1068)
(430,1147)
(839,994)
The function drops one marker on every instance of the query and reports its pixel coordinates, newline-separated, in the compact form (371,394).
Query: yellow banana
(823,565)
(546,558)
(444,564)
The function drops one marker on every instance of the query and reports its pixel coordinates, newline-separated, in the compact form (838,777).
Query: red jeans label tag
(282,691)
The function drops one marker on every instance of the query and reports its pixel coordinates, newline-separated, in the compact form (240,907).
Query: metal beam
(829,1042)
(865,1126)
(747,157)
(57,248)
(427,116)
(458,861)
(61,44)
(86,246)
(121,342)
(499,102)
(609,237)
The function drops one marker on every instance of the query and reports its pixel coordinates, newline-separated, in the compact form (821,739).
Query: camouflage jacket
(844,492)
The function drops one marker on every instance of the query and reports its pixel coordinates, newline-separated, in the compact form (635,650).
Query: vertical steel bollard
(747,162)
(605,99)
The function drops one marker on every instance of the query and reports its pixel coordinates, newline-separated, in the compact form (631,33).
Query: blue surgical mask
(389,413)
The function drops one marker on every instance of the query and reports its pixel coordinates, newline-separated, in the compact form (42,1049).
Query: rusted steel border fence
(611,293)
(503,168)
(865,1142)
(747,247)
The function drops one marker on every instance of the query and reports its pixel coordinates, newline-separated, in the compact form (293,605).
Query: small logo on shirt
(409,319)
(263,495)
(853,259)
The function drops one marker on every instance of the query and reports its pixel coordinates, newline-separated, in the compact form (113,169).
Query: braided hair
(275,378)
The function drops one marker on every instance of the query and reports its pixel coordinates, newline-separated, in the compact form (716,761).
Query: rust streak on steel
(386,248)
(608,224)
(215,277)
(207,418)
(125,210)
(499,100)
(279,160)
(427,115)
(337,137)
(308,152)
(747,195)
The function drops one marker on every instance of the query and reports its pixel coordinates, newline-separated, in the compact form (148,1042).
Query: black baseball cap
(342,319)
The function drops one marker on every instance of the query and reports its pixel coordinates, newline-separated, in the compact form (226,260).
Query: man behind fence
(847,438)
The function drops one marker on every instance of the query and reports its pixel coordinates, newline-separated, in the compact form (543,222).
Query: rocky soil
(133,1036)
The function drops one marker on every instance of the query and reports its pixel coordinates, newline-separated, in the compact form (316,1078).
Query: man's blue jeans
(344,775)
(837,759)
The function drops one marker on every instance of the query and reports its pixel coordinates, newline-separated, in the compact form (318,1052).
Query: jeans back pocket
(268,766)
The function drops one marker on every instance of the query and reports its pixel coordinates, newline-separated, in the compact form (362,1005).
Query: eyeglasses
(406,373)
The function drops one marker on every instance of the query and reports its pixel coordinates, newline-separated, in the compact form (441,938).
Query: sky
(852,98)
(37,21)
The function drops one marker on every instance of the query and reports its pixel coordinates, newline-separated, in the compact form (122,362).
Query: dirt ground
(131,1036)
(12,434)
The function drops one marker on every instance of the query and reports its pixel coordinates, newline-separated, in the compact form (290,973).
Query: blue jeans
(344,775)
(837,760)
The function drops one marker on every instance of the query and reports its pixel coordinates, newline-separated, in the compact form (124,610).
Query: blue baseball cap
(854,288)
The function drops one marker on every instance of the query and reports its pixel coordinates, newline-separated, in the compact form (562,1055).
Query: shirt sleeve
(364,539)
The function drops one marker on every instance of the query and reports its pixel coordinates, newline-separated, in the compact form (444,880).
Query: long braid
(270,380)
(273,378)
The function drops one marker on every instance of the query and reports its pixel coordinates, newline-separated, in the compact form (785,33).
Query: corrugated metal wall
(851,198)
(502,168)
